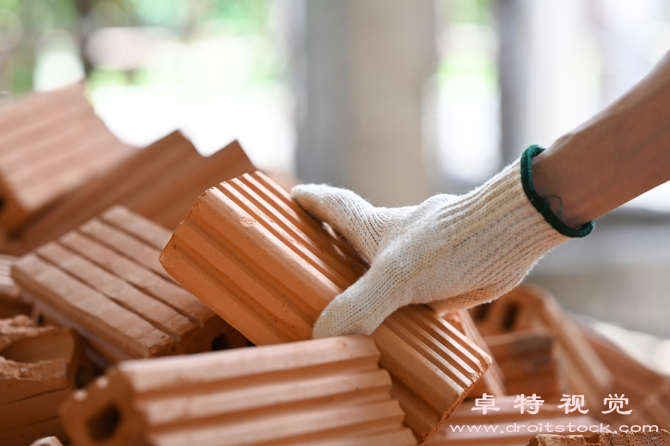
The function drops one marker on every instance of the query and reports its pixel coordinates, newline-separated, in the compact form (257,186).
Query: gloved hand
(451,252)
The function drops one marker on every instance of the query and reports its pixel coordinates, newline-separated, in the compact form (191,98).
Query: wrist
(548,198)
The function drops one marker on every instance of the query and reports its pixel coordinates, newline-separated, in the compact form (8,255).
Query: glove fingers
(346,212)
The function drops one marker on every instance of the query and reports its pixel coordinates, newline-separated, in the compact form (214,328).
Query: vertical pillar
(360,86)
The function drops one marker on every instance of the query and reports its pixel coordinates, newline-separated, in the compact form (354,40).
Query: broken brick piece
(660,438)
(39,368)
(104,279)
(269,269)
(327,391)
(529,307)
(160,182)
(50,145)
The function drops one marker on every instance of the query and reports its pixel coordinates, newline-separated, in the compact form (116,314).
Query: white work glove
(452,252)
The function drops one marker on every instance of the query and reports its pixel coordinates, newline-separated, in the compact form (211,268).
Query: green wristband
(541,203)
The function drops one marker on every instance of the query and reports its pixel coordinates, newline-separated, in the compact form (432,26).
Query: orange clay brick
(104,279)
(528,307)
(325,392)
(160,182)
(50,145)
(266,267)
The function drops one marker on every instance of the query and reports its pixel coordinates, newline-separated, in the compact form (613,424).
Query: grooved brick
(50,145)
(326,392)
(160,182)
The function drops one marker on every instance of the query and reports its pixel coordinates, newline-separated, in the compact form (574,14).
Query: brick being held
(104,279)
(327,392)
(50,145)
(39,368)
(269,269)
(160,182)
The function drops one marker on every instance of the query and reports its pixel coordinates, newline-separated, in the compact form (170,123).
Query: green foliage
(468,11)
(186,19)
(242,16)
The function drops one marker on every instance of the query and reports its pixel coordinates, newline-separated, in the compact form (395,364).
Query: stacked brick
(267,268)
(104,280)
(246,267)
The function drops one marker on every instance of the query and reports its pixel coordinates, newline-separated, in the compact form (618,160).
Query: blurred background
(397,99)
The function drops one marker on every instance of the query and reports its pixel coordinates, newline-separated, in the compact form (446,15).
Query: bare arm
(617,155)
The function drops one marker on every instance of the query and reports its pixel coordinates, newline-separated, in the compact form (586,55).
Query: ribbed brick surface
(50,144)
(160,182)
(254,257)
(325,392)
(493,381)
(104,279)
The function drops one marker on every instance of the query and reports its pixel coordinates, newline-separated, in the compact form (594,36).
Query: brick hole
(220,343)
(103,425)
(509,317)
(80,377)
(480,311)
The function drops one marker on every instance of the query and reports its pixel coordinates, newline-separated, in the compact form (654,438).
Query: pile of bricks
(157,297)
